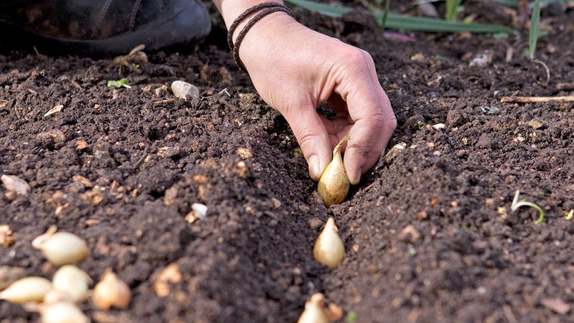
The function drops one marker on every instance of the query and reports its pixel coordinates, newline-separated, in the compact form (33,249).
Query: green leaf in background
(452,9)
(119,83)
(352,317)
(386,13)
(396,21)
(534,29)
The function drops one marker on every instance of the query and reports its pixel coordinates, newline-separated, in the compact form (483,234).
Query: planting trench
(430,235)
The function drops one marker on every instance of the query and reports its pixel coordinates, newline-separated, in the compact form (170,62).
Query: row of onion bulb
(57,300)
(329,249)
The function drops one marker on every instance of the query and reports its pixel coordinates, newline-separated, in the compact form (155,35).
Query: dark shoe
(106,27)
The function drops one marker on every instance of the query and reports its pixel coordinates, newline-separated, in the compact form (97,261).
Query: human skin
(295,69)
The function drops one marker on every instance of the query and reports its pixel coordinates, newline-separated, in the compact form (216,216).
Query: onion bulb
(314,310)
(62,312)
(73,281)
(329,248)
(61,248)
(111,291)
(56,296)
(334,183)
(29,289)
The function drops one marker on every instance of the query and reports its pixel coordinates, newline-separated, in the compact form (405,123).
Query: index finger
(373,123)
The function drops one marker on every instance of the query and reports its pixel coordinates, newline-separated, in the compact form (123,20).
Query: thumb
(310,131)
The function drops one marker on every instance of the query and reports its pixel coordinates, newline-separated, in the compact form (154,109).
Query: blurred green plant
(452,9)
(534,29)
(533,36)
(351,317)
(421,125)
(386,13)
(397,21)
(516,204)
(119,83)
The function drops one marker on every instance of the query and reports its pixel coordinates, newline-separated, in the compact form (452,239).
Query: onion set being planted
(334,183)
(329,248)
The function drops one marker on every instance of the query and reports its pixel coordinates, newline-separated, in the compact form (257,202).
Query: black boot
(106,27)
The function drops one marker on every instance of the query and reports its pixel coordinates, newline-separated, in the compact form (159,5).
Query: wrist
(267,38)
(231,9)
(252,16)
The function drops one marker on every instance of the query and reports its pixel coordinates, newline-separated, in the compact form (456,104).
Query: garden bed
(430,234)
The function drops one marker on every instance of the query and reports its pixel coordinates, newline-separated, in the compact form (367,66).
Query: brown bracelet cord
(266,8)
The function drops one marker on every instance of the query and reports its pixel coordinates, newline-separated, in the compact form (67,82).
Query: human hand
(295,69)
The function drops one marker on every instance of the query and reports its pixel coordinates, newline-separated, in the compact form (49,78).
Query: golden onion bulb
(329,248)
(334,183)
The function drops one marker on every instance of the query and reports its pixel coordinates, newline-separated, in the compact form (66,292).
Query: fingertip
(315,167)
(354,180)
(313,139)
(318,156)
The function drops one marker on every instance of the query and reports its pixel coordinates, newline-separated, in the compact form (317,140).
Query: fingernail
(357,178)
(314,167)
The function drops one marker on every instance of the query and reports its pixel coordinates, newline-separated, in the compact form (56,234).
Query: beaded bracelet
(265,9)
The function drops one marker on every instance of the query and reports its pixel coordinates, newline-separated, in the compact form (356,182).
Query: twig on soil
(224,91)
(509,315)
(565,86)
(156,103)
(40,55)
(76,85)
(370,186)
(528,148)
(141,159)
(536,99)
(17,112)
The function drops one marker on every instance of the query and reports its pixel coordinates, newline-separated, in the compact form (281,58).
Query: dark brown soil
(468,256)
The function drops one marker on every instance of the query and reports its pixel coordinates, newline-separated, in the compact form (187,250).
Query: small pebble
(200,209)
(186,91)
(482,59)
(16,184)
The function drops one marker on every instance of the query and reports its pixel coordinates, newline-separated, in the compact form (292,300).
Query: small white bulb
(111,291)
(62,248)
(28,289)
(314,310)
(329,248)
(62,312)
(73,281)
(55,296)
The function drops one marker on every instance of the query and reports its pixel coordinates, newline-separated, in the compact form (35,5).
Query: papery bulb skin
(314,310)
(334,183)
(329,248)
(111,291)
(63,248)
(28,289)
